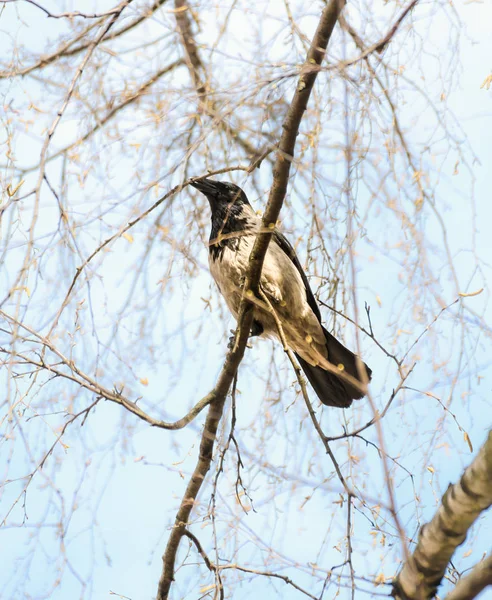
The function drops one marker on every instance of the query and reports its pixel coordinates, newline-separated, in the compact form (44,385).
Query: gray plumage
(283,281)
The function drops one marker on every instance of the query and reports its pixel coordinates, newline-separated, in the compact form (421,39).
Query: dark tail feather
(330,389)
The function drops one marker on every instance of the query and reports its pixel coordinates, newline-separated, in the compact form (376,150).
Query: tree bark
(461,505)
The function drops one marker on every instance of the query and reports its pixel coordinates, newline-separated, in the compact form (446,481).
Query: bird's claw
(232,339)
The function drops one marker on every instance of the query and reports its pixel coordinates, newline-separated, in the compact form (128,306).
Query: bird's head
(221,194)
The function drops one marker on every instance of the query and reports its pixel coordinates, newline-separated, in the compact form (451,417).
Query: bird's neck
(229,225)
(231,218)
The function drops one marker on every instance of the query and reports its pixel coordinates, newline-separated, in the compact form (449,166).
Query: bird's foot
(232,339)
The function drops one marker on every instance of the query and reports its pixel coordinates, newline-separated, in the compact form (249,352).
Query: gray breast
(229,271)
(282,284)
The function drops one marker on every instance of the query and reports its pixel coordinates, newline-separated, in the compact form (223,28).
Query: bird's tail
(331,389)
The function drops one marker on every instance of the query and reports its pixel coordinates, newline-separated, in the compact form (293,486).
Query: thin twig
(209,564)
(377,415)
(67,50)
(68,15)
(349,545)
(82,379)
(302,384)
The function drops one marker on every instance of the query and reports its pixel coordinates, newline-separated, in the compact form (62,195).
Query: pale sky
(134,498)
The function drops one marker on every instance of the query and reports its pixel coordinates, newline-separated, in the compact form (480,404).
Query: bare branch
(82,379)
(67,15)
(477,580)
(461,505)
(128,101)
(217,569)
(287,143)
(381,44)
(202,467)
(197,73)
(245,320)
(66,49)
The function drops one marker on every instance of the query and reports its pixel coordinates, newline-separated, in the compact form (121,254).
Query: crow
(324,360)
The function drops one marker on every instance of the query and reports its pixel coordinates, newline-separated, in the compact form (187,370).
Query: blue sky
(122,481)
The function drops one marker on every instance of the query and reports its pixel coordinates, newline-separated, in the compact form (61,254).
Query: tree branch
(133,97)
(461,505)
(381,44)
(67,15)
(67,50)
(83,380)
(478,579)
(200,83)
(284,156)
(202,467)
(290,128)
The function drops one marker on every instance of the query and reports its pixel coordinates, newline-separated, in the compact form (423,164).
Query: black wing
(284,244)
(330,389)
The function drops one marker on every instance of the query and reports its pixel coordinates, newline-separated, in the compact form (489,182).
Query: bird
(337,376)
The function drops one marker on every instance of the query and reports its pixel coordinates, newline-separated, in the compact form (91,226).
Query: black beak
(206,186)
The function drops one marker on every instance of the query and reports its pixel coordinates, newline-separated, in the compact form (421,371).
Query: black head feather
(231,213)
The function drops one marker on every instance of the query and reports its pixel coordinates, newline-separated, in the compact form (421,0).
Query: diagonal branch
(284,156)
(381,44)
(66,49)
(461,505)
(199,78)
(287,143)
(85,381)
(66,15)
(477,580)
(130,99)
(202,467)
